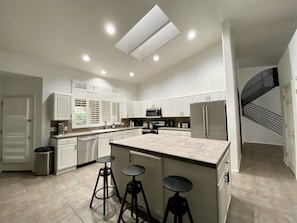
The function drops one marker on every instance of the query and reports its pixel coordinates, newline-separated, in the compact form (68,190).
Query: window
(115,117)
(106,111)
(80,111)
(94,112)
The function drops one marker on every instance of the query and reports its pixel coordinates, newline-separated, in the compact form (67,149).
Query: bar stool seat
(134,187)
(105,172)
(177,205)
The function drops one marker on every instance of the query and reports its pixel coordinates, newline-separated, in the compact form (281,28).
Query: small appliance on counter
(61,128)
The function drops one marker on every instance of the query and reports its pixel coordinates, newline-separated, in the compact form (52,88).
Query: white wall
(55,79)
(233,120)
(203,72)
(251,131)
(255,133)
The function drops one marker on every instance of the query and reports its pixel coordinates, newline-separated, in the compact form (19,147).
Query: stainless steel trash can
(44,160)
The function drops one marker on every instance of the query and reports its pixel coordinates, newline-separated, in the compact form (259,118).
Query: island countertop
(205,152)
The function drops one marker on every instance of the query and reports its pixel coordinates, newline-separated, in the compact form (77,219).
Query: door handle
(206,119)
(203,119)
(227,177)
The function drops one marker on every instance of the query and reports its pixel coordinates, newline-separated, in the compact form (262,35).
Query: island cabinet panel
(202,199)
(151,180)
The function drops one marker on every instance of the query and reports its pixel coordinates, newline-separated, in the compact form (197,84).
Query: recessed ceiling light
(86,57)
(156,58)
(191,34)
(103,72)
(131,74)
(110,29)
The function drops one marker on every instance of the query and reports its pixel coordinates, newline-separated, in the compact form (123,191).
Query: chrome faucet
(105,124)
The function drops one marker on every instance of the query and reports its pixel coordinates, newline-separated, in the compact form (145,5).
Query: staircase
(257,86)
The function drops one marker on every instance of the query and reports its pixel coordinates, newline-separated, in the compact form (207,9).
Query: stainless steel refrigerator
(208,120)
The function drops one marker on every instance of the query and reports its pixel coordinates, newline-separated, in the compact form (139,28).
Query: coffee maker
(61,128)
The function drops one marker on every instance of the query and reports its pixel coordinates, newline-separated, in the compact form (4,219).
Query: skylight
(150,33)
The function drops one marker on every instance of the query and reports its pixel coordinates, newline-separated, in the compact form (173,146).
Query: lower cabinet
(106,138)
(175,132)
(65,154)
(224,188)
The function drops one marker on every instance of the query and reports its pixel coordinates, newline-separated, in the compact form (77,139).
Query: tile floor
(265,191)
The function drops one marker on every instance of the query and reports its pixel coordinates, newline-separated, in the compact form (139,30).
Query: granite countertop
(205,152)
(92,132)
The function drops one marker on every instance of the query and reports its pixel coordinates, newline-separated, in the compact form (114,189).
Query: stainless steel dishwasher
(87,149)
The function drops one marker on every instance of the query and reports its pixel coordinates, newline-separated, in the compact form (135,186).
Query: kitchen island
(205,162)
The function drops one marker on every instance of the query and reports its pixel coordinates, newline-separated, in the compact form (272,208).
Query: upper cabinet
(152,104)
(61,106)
(172,107)
(135,109)
(211,96)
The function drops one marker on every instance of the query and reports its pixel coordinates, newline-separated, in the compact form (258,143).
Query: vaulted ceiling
(61,31)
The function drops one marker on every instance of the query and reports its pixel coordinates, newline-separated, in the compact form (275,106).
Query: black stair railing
(257,86)
(264,117)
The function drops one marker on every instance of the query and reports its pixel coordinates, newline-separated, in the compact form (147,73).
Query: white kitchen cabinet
(224,188)
(65,154)
(217,96)
(131,133)
(211,96)
(200,98)
(61,106)
(176,107)
(152,104)
(185,105)
(135,109)
(105,138)
(166,107)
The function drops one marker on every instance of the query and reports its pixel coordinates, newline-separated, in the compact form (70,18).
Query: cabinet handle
(227,177)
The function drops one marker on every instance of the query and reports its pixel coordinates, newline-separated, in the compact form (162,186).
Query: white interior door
(17,129)
(289,129)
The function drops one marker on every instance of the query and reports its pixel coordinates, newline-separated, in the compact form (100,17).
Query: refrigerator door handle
(203,118)
(206,120)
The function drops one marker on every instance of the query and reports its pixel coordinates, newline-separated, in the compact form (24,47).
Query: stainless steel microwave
(153,113)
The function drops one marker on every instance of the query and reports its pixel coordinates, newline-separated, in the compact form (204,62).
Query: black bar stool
(105,172)
(134,187)
(177,205)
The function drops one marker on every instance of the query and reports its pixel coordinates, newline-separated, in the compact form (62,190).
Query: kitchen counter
(205,162)
(96,131)
(195,150)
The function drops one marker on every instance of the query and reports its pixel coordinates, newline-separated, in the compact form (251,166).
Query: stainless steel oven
(153,127)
